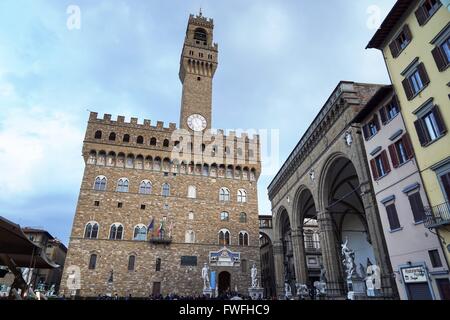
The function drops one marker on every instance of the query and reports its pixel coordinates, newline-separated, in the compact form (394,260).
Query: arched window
(224,216)
(100,183)
(166,143)
(166,190)
(192,192)
(189,236)
(224,194)
(98,134)
(158,264)
(101,160)
(92,157)
(243,238)
(253,175)
(200,34)
(112,136)
(116,232)
(140,233)
(205,171)
(224,237)
(145,187)
(242,196)
(130,161)
(122,185)
(139,162)
(157,164)
(92,261)
(131,262)
(91,230)
(140,140)
(243,217)
(153,141)
(191,216)
(126,138)
(120,160)
(229,172)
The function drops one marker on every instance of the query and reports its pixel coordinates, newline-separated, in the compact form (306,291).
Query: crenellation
(120,119)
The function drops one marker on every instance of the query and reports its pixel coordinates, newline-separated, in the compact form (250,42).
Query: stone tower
(197,67)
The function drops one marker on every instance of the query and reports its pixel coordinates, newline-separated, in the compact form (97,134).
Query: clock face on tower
(197,122)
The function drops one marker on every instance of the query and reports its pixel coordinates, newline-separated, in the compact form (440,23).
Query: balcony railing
(438,215)
(161,240)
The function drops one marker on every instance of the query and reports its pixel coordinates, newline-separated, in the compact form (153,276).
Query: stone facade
(186,172)
(326,178)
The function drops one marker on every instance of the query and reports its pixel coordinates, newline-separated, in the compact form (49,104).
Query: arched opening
(306,215)
(224,282)
(342,199)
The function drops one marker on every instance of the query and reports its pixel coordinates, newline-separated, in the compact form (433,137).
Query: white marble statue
(205,277)
(348,138)
(373,280)
(287,290)
(349,259)
(254,274)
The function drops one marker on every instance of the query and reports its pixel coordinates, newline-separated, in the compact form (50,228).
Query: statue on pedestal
(349,260)
(205,277)
(254,274)
(373,279)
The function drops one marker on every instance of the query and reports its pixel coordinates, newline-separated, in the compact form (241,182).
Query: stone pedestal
(356,289)
(208,292)
(256,293)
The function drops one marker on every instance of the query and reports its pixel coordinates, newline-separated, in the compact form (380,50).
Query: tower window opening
(201,35)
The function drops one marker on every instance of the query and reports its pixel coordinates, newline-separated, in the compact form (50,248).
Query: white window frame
(117,224)
(120,188)
(101,178)
(140,226)
(91,223)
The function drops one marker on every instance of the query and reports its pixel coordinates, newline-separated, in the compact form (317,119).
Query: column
(279,267)
(330,255)
(388,285)
(298,246)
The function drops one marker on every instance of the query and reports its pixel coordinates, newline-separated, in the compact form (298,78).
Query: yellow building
(415,42)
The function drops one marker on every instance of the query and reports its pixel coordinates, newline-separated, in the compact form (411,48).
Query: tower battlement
(133,123)
(232,136)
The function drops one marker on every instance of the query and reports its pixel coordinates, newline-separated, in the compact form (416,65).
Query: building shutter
(407,32)
(417,207)
(423,138)
(439,58)
(394,223)
(408,146)
(394,48)
(384,159)
(421,16)
(423,74)
(383,115)
(394,157)
(440,122)
(366,131)
(373,166)
(408,90)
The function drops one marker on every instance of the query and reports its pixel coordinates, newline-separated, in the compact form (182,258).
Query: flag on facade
(151,225)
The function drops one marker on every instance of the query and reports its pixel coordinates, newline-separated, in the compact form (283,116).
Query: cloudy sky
(279,62)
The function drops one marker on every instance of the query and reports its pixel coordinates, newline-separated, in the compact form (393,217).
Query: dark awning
(15,245)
